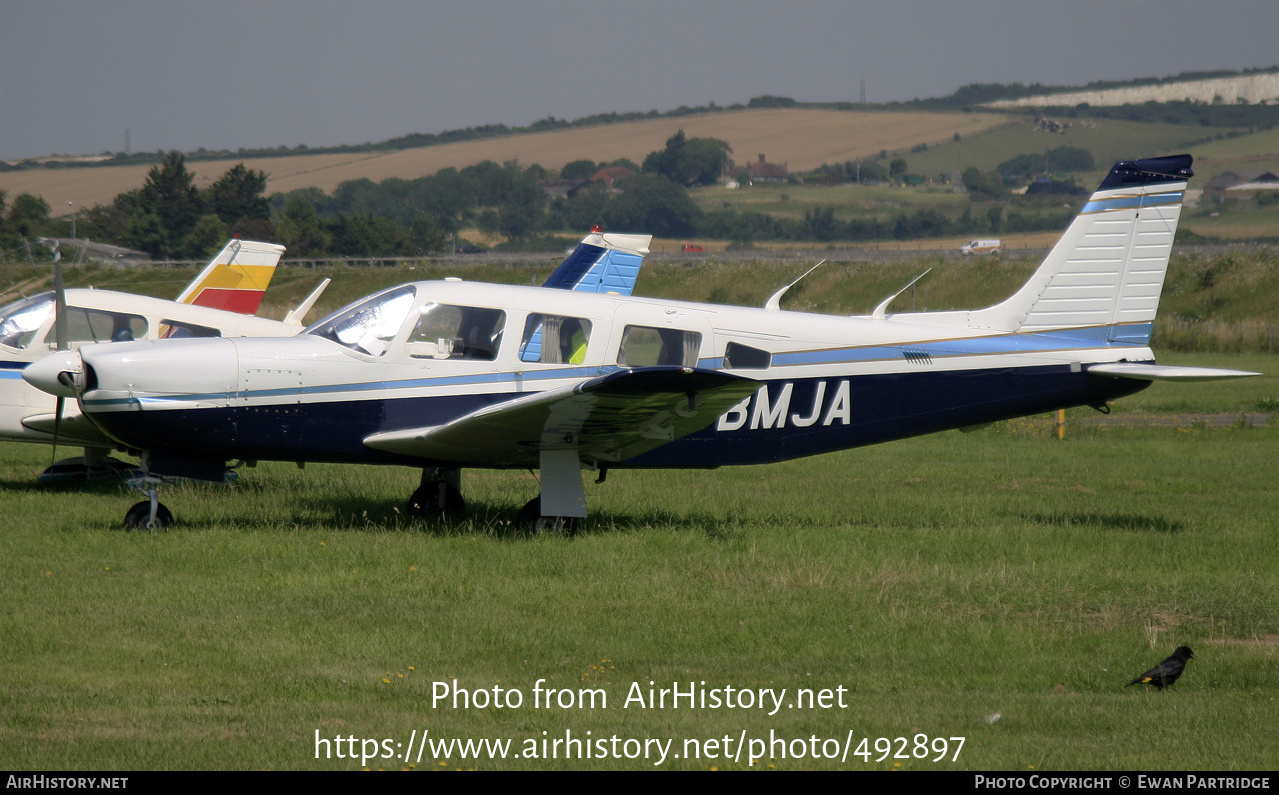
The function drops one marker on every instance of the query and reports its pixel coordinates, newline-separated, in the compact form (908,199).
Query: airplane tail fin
(602,263)
(236,279)
(1107,271)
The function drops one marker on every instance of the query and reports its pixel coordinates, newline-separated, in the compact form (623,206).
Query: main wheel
(438,499)
(139,517)
(531,520)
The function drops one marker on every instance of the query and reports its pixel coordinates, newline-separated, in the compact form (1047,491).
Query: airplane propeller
(61,336)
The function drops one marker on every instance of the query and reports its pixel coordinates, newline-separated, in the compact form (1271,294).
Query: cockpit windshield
(368,326)
(21,321)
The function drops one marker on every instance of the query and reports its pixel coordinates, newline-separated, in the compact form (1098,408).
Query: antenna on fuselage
(774,303)
(294,318)
(878,314)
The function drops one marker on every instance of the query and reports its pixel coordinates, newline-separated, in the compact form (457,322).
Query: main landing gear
(558,509)
(439,494)
(531,520)
(562,503)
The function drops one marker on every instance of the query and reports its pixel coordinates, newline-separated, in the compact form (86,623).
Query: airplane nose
(58,373)
(203,367)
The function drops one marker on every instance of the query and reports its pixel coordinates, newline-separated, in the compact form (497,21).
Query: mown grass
(941,580)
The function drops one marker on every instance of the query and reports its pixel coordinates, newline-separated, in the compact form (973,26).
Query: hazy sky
(226,74)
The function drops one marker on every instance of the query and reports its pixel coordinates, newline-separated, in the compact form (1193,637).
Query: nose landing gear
(150,514)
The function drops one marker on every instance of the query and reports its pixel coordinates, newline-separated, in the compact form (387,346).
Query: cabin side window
(176,330)
(554,339)
(445,331)
(93,325)
(743,357)
(643,346)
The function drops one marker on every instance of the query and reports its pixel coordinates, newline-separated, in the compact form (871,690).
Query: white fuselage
(27,414)
(318,397)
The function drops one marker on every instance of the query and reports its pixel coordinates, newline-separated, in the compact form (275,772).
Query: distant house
(1239,184)
(1054,187)
(763,171)
(612,174)
(1266,181)
(561,188)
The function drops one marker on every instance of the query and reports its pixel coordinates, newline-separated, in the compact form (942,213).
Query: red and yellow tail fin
(236,279)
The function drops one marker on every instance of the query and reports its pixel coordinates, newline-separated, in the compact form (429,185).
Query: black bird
(1165,673)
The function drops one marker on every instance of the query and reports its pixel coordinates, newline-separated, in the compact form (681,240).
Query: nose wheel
(150,514)
(140,517)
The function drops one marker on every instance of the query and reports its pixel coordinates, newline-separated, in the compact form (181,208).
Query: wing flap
(1155,372)
(606,419)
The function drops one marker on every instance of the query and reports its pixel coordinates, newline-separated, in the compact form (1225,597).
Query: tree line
(170,218)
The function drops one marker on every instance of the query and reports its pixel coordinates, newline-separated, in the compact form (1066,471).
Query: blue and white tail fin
(602,263)
(1108,269)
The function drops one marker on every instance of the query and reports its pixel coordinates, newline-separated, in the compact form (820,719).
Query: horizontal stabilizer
(606,419)
(1155,372)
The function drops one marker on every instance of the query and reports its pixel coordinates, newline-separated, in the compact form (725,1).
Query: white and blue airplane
(220,302)
(445,375)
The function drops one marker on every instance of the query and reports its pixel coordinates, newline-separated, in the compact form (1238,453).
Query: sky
(231,74)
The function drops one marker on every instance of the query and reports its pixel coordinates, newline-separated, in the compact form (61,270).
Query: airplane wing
(74,429)
(606,419)
(1155,372)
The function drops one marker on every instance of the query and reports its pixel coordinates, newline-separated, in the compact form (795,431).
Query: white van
(981,247)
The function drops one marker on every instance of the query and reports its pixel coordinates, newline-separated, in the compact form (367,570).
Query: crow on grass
(1165,673)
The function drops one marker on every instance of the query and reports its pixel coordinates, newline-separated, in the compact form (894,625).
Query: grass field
(1000,586)
(940,582)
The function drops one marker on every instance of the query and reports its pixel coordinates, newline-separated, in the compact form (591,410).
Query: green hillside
(1216,150)
(1108,140)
